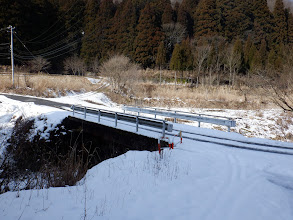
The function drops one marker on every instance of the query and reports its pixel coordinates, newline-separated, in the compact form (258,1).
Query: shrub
(122,74)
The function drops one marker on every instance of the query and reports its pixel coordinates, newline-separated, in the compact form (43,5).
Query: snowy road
(37,101)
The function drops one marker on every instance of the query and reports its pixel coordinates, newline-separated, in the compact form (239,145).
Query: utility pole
(12,57)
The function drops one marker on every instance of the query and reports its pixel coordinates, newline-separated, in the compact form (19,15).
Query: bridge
(151,127)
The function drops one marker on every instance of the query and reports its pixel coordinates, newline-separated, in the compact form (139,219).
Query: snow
(93,80)
(267,123)
(89,99)
(46,118)
(195,180)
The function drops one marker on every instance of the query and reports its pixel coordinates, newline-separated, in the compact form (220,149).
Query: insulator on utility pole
(12,56)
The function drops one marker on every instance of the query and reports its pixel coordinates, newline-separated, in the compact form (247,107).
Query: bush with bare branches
(39,64)
(75,65)
(122,74)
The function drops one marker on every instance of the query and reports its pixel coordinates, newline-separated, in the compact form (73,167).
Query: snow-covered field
(196,180)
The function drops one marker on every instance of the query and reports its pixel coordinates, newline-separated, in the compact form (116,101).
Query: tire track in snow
(226,175)
(225,195)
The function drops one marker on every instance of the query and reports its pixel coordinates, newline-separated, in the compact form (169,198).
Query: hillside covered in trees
(202,35)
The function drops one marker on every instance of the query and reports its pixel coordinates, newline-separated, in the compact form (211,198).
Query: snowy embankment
(196,180)
(193,181)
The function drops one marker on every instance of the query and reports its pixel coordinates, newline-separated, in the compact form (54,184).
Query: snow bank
(193,181)
(46,118)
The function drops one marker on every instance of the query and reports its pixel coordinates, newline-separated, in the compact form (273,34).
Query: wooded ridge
(194,34)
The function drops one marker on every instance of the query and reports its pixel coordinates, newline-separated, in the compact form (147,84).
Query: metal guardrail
(117,116)
(185,115)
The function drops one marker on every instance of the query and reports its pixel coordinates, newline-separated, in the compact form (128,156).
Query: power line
(53,24)
(5,55)
(27,49)
(45,50)
(46,40)
(53,46)
(50,54)
(65,47)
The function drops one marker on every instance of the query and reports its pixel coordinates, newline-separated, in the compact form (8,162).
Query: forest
(202,36)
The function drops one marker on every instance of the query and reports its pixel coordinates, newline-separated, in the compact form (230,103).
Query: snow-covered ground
(193,181)
(196,180)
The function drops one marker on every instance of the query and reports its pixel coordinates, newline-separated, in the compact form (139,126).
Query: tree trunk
(175,78)
(160,75)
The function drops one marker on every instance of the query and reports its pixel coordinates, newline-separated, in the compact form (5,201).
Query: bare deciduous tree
(74,65)
(278,86)
(233,62)
(39,64)
(95,66)
(200,54)
(122,73)
(174,32)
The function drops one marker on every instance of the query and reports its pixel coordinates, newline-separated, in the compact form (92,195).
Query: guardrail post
(73,110)
(229,128)
(199,121)
(175,118)
(164,128)
(84,112)
(155,113)
(136,123)
(99,116)
(116,119)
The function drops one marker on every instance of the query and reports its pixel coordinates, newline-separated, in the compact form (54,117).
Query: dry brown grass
(244,95)
(202,97)
(45,85)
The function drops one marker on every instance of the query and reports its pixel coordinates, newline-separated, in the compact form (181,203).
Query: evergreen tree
(238,51)
(290,29)
(247,47)
(263,21)
(176,11)
(176,60)
(72,12)
(260,57)
(89,42)
(161,59)
(104,23)
(181,57)
(252,56)
(186,55)
(96,42)
(263,53)
(185,15)
(148,38)
(232,18)
(273,59)
(124,29)
(168,14)
(205,19)
(280,31)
